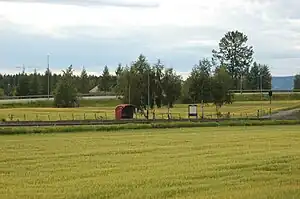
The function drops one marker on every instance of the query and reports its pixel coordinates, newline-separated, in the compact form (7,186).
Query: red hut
(124,111)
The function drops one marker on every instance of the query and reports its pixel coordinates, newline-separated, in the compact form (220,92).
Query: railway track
(109,122)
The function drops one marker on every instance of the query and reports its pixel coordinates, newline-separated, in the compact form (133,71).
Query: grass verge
(166,125)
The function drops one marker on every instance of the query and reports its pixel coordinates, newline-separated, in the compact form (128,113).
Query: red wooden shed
(124,111)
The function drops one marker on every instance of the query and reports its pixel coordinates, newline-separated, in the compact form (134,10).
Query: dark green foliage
(221,84)
(141,84)
(23,85)
(45,83)
(254,77)
(171,87)
(84,86)
(34,85)
(259,77)
(200,82)
(65,94)
(105,80)
(297,82)
(235,55)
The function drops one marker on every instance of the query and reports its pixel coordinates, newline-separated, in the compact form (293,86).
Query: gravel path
(285,115)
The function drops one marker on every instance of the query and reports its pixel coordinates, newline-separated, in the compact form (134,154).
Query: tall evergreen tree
(105,80)
(34,85)
(23,85)
(84,86)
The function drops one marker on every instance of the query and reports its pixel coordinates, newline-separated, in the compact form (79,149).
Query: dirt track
(285,115)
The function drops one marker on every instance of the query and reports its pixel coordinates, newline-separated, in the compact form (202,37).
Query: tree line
(231,67)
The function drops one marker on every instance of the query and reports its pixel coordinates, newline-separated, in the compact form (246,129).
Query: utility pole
(261,91)
(48,68)
(129,87)
(23,68)
(241,86)
(129,94)
(148,93)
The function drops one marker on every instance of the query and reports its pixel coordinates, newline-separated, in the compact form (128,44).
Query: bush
(103,128)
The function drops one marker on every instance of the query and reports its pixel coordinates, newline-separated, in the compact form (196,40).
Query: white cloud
(188,27)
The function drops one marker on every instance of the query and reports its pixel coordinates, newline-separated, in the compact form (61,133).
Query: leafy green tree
(65,94)
(185,95)
(171,84)
(297,82)
(200,82)
(159,84)
(221,83)
(235,55)
(34,85)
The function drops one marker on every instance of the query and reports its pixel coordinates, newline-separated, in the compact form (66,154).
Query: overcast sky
(179,32)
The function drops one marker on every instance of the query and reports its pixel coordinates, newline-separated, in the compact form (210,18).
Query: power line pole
(148,94)
(48,68)
(241,86)
(261,91)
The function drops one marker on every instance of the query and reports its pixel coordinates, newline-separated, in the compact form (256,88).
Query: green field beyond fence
(106,111)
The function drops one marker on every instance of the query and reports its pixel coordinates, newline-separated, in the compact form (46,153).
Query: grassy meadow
(223,162)
(106,111)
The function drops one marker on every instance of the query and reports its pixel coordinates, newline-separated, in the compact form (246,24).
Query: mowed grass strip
(224,162)
(237,109)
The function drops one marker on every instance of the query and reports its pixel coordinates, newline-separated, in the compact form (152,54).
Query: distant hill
(283,83)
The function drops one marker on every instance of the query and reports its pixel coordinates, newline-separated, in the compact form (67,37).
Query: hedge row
(265,97)
(107,128)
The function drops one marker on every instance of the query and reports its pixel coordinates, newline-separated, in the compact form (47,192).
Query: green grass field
(106,111)
(235,162)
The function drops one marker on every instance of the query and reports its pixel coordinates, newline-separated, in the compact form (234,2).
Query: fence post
(49,117)
(24,117)
(73,116)
(59,116)
(37,117)
(84,116)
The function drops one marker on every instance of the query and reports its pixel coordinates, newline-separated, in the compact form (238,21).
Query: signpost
(270,96)
(192,111)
